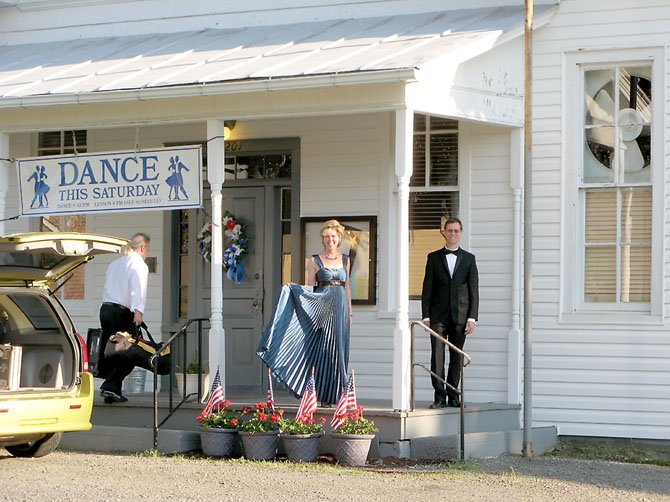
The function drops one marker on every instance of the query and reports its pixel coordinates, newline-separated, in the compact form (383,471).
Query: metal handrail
(465,361)
(171,408)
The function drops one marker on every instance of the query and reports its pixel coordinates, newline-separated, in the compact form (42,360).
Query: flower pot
(352,449)
(302,447)
(191,384)
(260,445)
(217,442)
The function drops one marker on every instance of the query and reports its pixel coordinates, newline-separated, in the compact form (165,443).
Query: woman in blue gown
(310,325)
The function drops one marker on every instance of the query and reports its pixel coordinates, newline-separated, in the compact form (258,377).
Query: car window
(36,310)
(23,259)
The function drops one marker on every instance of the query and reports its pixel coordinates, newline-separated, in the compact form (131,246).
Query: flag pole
(527,449)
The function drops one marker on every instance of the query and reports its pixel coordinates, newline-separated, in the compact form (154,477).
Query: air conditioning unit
(10,367)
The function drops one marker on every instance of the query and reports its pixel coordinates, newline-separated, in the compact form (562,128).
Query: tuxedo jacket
(443,294)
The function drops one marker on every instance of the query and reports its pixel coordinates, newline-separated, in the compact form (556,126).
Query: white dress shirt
(126,282)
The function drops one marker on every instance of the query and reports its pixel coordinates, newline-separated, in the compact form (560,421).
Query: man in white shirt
(123,303)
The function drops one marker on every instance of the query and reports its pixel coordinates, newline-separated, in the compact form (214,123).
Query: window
(612,256)
(615,185)
(434,192)
(62,143)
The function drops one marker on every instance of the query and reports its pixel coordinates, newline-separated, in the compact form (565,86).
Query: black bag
(141,352)
(95,351)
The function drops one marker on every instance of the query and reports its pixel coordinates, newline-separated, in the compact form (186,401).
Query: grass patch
(620,450)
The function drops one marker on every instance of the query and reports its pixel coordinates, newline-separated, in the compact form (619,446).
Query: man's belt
(116,305)
(330,283)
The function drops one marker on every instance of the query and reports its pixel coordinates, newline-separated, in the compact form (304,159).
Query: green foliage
(195,368)
(222,418)
(619,450)
(355,423)
(303,426)
(263,418)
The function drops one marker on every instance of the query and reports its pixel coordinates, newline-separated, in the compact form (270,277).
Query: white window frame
(573,308)
(427,187)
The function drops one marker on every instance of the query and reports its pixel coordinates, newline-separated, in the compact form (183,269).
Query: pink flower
(234,422)
(262,416)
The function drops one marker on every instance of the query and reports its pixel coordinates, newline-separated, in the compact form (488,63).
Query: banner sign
(165,178)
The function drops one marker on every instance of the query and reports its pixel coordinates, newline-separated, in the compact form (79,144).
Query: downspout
(401,333)
(215,175)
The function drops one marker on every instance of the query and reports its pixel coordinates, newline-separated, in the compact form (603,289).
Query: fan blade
(632,158)
(601,135)
(602,108)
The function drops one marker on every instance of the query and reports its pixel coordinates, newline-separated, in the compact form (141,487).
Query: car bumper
(31,413)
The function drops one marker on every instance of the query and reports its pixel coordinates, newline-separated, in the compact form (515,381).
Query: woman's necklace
(330,257)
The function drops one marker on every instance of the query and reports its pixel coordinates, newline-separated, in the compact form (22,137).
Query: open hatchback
(45,387)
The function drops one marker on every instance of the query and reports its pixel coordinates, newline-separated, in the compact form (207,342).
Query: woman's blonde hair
(335,225)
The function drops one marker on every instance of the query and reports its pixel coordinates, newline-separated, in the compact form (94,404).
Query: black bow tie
(449,251)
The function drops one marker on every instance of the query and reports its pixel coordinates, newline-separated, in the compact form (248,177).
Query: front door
(242,303)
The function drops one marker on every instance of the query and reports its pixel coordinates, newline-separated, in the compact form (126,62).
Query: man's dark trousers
(456,335)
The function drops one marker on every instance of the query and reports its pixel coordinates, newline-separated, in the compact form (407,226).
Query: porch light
(228,126)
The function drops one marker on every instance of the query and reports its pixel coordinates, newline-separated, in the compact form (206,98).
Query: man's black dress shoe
(438,404)
(454,403)
(112,397)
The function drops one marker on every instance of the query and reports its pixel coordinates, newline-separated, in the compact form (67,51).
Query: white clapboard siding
(589,379)
(490,232)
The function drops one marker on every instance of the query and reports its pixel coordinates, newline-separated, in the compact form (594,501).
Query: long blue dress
(310,328)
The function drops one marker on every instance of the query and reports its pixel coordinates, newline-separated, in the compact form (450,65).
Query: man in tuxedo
(449,305)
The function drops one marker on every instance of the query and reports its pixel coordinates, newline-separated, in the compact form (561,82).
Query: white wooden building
(392,114)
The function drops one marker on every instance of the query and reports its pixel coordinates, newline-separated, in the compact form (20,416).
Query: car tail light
(84,352)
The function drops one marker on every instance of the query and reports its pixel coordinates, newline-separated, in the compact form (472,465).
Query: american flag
(271,394)
(308,402)
(215,399)
(346,402)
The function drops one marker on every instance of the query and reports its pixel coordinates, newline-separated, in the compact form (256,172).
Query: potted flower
(301,438)
(353,438)
(260,432)
(218,431)
(187,381)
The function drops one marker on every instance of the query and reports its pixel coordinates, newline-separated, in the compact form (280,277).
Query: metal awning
(361,46)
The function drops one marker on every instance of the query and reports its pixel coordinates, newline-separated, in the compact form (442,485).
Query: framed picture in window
(359,242)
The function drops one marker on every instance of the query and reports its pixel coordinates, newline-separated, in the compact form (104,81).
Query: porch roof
(374,49)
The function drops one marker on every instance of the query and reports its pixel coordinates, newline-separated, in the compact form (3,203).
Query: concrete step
(108,438)
(105,438)
(481,444)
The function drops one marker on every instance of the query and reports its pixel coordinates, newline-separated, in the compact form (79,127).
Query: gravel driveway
(75,476)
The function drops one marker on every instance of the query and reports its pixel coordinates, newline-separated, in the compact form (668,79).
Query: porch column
(5,167)
(215,175)
(514,376)
(401,333)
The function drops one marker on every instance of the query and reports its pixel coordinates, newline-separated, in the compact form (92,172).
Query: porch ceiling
(376,49)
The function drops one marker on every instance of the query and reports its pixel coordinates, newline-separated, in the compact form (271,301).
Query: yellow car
(45,386)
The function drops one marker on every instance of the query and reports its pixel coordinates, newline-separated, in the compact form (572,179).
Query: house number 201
(233,146)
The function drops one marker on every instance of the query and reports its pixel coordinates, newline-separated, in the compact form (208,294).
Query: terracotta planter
(260,445)
(302,447)
(217,442)
(352,449)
